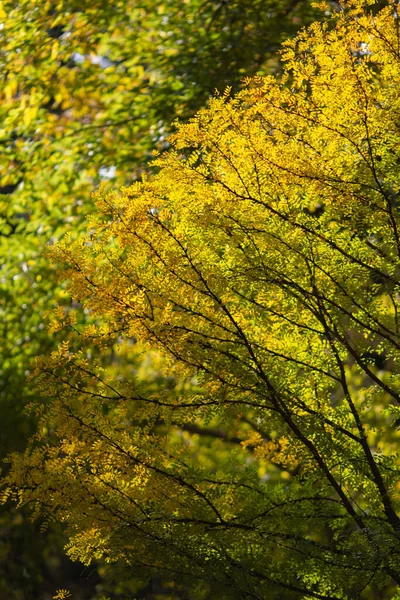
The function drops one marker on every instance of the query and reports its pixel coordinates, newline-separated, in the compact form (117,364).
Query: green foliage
(260,267)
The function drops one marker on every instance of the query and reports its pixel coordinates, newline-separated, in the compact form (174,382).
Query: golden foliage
(261,268)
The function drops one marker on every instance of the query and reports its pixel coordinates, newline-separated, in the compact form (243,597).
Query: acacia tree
(260,266)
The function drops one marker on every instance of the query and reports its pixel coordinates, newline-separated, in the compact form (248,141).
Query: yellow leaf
(29,114)
(10,88)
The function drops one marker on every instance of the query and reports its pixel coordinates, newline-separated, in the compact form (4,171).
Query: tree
(87,89)
(86,93)
(260,266)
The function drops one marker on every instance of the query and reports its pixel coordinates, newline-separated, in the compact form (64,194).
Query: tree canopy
(87,90)
(260,269)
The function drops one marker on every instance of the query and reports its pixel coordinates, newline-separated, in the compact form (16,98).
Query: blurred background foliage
(88,90)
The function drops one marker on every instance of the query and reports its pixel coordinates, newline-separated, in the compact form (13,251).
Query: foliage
(87,89)
(261,268)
